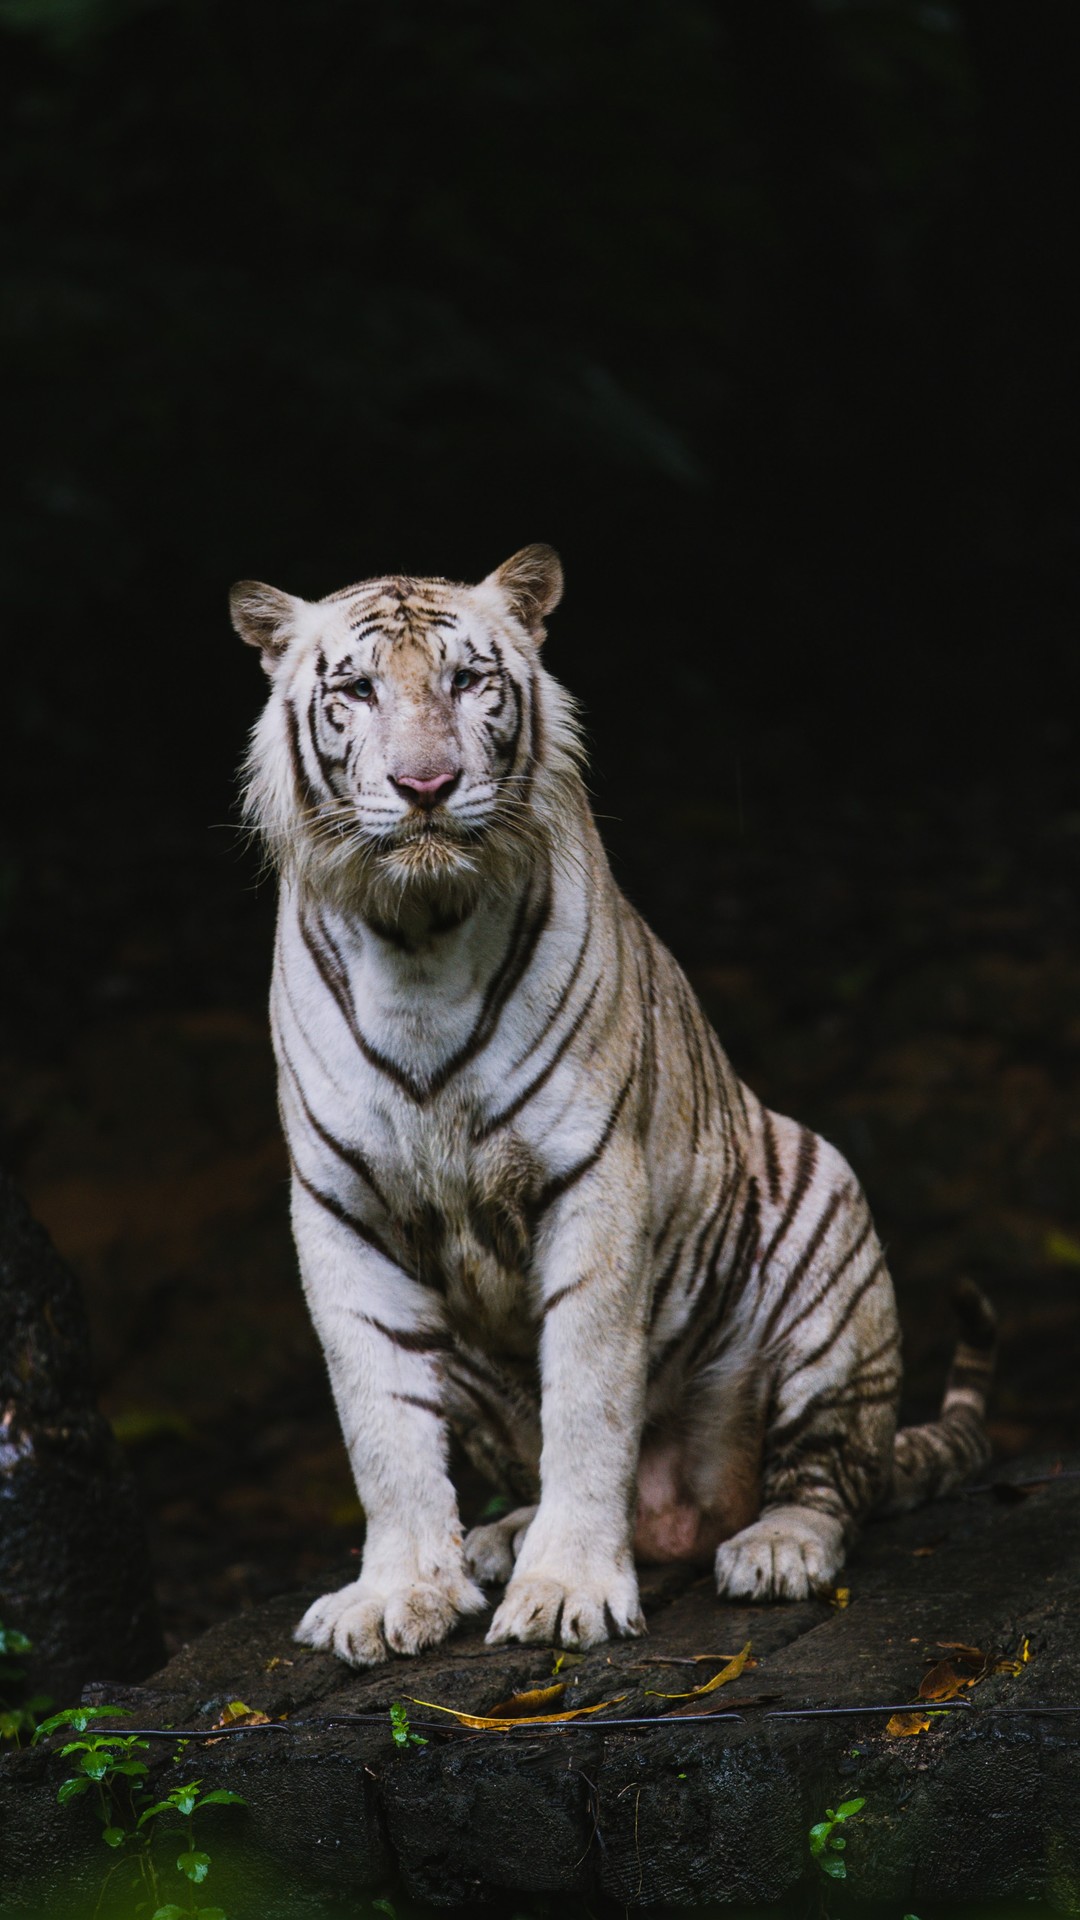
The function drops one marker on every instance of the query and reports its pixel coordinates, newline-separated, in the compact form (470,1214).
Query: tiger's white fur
(531,1200)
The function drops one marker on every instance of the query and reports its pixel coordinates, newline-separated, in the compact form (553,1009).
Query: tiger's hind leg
(829,1334)
(491,1549)
(498,1425)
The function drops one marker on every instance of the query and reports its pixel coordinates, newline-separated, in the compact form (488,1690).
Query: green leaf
(12,1641)
(849,1807)
(385,1906)
(220,1798)
(149,1813)
(171,1912)
(210,1913)
(835,1869)
(837,1842)
(133,1768)
(819,1835)
(195,1865)
(95,1765)
(114,1836)
(79,1718)
(69,1788)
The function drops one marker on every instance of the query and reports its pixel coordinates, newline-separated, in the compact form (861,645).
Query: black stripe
(508,1113)
(351,1156)
(727,1299)
(545,1029)
(555,1299)
(772,1164)
(693,1056)
(524,938)
(818,1353)
(509,749)
(341,1213)
(809,1306)
(662,1289)
(336,981)
(309,801)
(804,1171)
(327,767)
(804,1261)
(417,1400)
(409,1339)
(562,1182)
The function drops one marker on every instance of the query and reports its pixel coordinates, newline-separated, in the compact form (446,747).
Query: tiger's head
(412,743)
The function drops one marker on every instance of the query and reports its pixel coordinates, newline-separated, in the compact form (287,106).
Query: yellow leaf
(236,1714)
(901,1724)
(840,1597)
(1061,1249)
(518,1705)
(493,1723)
(730,1672)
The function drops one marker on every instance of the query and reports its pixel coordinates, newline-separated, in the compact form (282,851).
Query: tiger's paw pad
(364,1627)
(553,1612)
(786,1555)
(490,1551)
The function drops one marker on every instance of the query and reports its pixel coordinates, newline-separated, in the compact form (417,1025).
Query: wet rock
(74,1574)
(684,1809)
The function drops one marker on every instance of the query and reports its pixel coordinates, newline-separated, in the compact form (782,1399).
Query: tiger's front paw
(364,1626)
(579,1612)
(788,1554)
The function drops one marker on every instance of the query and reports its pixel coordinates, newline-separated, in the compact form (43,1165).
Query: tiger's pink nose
(425,792)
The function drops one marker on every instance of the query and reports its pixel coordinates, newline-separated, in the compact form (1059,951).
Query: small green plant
(401,1732)
(194,1862)
(826,1844)
(108,1767)
(17,1716)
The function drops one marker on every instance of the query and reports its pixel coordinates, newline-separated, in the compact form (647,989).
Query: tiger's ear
(532,582)
(264,617)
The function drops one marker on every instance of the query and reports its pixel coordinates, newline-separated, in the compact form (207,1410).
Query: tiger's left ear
(532,582)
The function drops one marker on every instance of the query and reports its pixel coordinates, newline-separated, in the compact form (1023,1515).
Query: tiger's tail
(934,1458)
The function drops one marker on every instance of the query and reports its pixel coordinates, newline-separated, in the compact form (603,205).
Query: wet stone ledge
(983,1804)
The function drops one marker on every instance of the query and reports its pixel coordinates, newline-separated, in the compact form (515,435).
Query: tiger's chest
(461,1214)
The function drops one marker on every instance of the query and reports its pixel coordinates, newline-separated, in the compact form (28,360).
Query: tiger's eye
(463,679)
(363,688)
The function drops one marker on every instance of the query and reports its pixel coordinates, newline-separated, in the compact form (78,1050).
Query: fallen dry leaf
(965,1667)
(901,1724)
(840,1597)
(236,1714)
(731,1672)
(518,1704)
(494,1723)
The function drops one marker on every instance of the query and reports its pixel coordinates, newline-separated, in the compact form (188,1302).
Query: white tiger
(531,1200)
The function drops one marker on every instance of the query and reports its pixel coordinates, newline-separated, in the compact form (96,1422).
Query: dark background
(765,314)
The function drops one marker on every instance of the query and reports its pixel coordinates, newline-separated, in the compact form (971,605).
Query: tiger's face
(405,723)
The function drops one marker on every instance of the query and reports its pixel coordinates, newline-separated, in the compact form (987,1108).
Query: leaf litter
(963,1668)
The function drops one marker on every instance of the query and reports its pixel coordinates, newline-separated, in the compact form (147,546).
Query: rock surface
(685,1810)
(74,1572)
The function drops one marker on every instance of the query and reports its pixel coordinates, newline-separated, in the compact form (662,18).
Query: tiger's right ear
(264,617)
